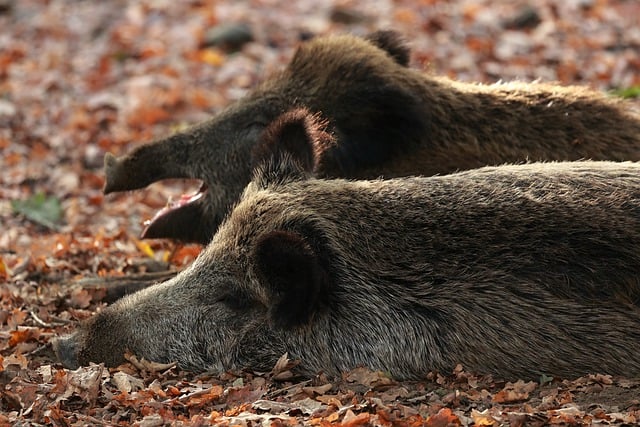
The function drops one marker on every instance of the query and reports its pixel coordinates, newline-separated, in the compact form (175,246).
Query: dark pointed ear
(297,133)
(393,43)
(291,272)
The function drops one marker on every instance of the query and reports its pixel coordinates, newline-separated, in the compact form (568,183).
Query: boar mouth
(178,215)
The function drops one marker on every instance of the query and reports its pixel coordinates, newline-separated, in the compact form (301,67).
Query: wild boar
(387,120)
(515,270)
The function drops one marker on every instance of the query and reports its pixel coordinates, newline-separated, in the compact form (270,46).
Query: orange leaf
(211,57)
(483,418)
(17,318)
(18,336)
(470,11)
(150,50)
(514,392)
(443,418)
(4,272)
(212,395)
(185,254)
(406,16)
(200,100)
(146,115)
(350,419)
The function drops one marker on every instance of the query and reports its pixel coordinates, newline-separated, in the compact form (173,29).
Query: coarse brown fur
(516,270)
(386,119)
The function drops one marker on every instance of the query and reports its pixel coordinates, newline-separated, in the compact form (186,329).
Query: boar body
(387,120)
(513,270)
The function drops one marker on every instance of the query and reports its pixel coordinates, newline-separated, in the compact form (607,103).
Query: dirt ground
(79,79)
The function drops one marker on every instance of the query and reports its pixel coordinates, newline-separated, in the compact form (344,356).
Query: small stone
(228,37)
(526,18)
(342,15)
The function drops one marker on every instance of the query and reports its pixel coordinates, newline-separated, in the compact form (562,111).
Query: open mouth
(176,214)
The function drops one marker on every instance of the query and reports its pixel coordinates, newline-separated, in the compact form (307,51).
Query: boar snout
(66,351)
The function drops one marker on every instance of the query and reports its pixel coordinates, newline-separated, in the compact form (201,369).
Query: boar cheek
(291,272)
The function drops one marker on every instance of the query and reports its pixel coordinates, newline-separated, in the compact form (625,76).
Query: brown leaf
(126,383)
(146,365)
(148,115)
(321,389)
(16,359)
(85,382)
(483,418)
(20,335)
(80,298)
(350,419)
(4,271)
(367,377)
(203,398)
(17,318)
(514,392)
(445,417)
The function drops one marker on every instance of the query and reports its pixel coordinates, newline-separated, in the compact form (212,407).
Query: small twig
(42,323)
(118,286)
(280,391)
(37,350)
(186,397)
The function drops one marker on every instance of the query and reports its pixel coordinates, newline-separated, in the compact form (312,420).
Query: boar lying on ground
(387,120)
(510,270)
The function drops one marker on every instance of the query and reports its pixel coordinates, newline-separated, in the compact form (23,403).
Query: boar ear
(291,271)
(296,133)
(393,43)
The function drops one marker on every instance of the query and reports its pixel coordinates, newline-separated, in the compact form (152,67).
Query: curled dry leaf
(79,79)
(514,392)
(483,418)
(126,383)
(443,418)
(146,365)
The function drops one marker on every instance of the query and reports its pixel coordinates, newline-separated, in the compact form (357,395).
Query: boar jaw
(188,209)
(216,152)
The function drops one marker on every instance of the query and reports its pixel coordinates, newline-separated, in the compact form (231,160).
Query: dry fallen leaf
(483,418)
(514,392)
(79,79)
(443,418)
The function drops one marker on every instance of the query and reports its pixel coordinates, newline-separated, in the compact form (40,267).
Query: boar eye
(259,123)
(256,127)
(234,300)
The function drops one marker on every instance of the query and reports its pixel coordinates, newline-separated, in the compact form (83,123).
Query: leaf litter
(79,79)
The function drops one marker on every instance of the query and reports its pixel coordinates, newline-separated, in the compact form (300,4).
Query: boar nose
(66,351)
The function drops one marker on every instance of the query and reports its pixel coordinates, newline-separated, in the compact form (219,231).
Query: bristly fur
(386,119)
(515,271)
(297,132)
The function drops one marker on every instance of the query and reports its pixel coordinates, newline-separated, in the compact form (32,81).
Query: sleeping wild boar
(515,270)
(386,119)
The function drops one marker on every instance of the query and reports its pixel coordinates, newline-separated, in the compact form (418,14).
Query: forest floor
(79,79)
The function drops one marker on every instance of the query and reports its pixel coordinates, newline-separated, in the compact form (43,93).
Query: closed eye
(234,300)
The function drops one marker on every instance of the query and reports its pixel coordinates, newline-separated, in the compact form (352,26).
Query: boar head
(221,152)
